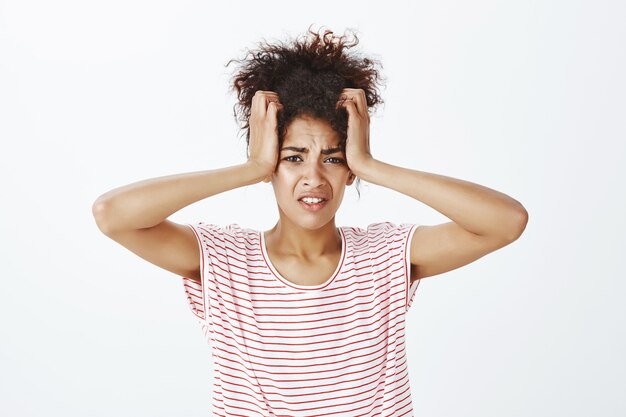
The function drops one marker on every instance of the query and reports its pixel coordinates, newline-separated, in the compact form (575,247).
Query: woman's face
(310,163)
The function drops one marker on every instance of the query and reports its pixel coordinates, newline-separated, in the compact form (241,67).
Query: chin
(312,225)
(307,220)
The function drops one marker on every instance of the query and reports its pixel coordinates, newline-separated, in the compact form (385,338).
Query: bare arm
(473,207)
(147,203)
(135,215)
(483,220)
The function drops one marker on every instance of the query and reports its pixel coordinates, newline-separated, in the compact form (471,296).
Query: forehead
(307,131)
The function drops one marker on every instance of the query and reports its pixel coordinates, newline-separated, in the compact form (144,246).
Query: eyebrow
(305,150)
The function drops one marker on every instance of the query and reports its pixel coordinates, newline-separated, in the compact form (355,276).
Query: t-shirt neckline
(288,283)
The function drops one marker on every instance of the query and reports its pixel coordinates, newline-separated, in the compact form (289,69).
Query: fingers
(273,107)
(350,107)
(263,122)
(262,100)
(354,101)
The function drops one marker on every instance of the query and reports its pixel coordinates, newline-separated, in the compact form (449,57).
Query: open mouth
(312,204)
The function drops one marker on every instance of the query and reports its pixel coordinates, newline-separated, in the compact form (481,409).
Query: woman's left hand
(358,135)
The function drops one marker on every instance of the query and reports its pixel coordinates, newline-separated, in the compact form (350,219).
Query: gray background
(524,97)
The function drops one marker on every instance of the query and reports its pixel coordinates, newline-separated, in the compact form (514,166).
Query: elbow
(519,220)
(100,210)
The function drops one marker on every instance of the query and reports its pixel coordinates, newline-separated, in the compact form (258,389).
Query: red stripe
(248,313)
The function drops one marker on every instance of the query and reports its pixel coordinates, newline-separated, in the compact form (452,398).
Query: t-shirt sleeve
(194,290)
(412,286)
(398,239)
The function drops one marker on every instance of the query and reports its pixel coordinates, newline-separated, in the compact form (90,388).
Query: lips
(311,195)
(313,207)
(317,198)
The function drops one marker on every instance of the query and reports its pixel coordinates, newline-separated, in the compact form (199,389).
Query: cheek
(282,184)
(285,175)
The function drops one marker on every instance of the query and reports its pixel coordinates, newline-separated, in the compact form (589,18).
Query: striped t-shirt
(281,349)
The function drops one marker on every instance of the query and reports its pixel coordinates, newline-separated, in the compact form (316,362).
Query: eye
(336,160)
(292,156)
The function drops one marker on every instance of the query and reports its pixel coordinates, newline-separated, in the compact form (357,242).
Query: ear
(351,179)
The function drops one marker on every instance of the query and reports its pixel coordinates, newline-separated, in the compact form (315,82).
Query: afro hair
(308,73)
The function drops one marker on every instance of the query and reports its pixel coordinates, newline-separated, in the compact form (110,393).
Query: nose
(313,175)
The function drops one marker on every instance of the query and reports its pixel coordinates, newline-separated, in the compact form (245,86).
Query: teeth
(311,200)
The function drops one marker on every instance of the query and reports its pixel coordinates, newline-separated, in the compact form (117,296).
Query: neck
(296,241)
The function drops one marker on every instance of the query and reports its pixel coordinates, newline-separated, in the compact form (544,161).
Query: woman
(307,319)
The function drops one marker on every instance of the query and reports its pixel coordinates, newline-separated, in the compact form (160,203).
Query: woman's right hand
(263,145)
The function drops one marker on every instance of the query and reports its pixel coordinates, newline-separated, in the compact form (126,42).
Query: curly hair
(308,73)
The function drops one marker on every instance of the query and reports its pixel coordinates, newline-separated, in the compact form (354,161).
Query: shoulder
(215,232)
(370,229)
(379,232)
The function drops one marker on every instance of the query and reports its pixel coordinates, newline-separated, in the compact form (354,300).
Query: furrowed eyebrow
(329,151)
